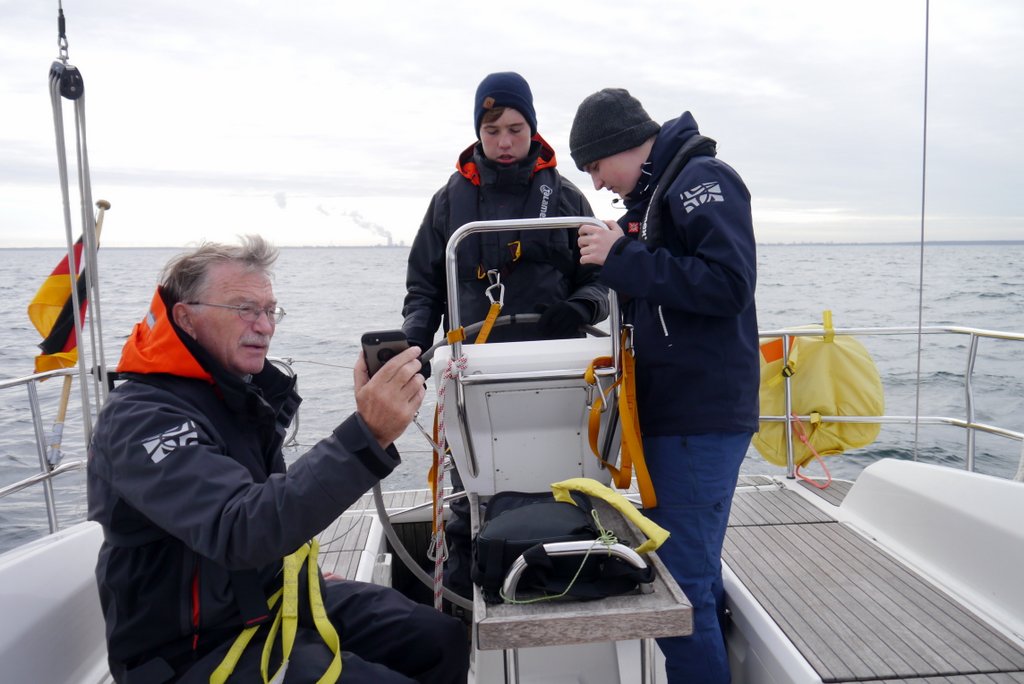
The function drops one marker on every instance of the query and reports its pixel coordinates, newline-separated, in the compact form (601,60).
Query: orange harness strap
(632,446)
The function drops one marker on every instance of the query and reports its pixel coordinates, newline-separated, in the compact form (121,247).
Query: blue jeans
(694,479)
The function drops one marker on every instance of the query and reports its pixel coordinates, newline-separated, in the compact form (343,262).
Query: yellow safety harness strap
(656,534)
(632,446)
(594,421)
(485,329)
(287,618)
(323,624)
(234,654)
(287,621)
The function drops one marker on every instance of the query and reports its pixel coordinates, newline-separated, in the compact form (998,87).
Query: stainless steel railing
(968,423)
(50,466)
(50,469)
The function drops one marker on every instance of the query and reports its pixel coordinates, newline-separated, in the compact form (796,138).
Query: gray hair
(184,276)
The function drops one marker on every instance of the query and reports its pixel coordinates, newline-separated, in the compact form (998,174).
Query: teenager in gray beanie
(606,123)
(683,261)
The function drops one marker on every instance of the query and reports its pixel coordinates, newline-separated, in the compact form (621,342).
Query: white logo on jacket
(545,192)
(160,446)
(701,194)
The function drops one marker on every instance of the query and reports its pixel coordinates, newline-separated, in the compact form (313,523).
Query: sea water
(333,295)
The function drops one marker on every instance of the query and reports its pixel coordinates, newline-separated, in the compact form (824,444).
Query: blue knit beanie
(504,89)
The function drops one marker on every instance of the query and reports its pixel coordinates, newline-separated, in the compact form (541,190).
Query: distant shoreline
(928,243)
(914,243)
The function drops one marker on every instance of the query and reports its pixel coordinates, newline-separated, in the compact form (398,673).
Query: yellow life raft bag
(828,376)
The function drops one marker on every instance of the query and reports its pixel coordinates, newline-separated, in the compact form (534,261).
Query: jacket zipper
(195,607)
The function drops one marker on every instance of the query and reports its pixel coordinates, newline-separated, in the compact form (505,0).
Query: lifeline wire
(920,275)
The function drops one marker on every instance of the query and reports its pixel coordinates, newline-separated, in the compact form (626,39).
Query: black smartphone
(382,345)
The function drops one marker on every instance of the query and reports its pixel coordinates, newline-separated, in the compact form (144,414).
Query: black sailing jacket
(538,268)
(187,478)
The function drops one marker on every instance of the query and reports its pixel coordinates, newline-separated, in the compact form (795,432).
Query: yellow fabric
(622,477)
(323,624)
(594,421)
(632,447)
(656,534)
(43,312)
(435,463)
(516,247)
(234,654)
(829,375)
(45,307)
(600,362)
(49,362)
(286,621)
(485,329)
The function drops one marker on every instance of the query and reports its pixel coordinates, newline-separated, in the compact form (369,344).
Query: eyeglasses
(249,313)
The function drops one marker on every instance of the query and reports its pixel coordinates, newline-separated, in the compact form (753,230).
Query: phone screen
(382,345)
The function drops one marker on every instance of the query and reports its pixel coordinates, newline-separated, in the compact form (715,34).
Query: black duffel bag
(519,524)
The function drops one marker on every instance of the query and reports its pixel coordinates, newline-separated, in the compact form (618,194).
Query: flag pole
(53,453)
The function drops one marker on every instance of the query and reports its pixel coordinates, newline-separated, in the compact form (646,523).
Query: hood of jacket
(157,345)
(673,135)
(468,165)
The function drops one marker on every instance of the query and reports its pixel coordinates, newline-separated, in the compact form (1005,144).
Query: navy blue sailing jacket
(538,268)
(688,288)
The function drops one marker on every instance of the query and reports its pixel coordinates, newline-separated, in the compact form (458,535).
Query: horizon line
(807,243)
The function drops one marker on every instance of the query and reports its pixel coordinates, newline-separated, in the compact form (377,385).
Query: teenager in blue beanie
(504,89)
(509,172)
(683,260)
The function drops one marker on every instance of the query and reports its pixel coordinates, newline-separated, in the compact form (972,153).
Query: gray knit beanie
(608,122)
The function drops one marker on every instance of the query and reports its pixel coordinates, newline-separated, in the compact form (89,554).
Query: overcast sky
(333,122)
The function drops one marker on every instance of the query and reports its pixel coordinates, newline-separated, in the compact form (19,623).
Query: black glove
(560,320)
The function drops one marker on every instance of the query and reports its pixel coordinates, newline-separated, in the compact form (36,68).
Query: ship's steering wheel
(389,531)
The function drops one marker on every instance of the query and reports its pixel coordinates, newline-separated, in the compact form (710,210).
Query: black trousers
(457,533)
(385,639)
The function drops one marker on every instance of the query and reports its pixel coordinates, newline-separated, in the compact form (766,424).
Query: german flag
(51,313)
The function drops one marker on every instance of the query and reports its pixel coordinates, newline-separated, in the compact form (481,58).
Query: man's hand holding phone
(389,387)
